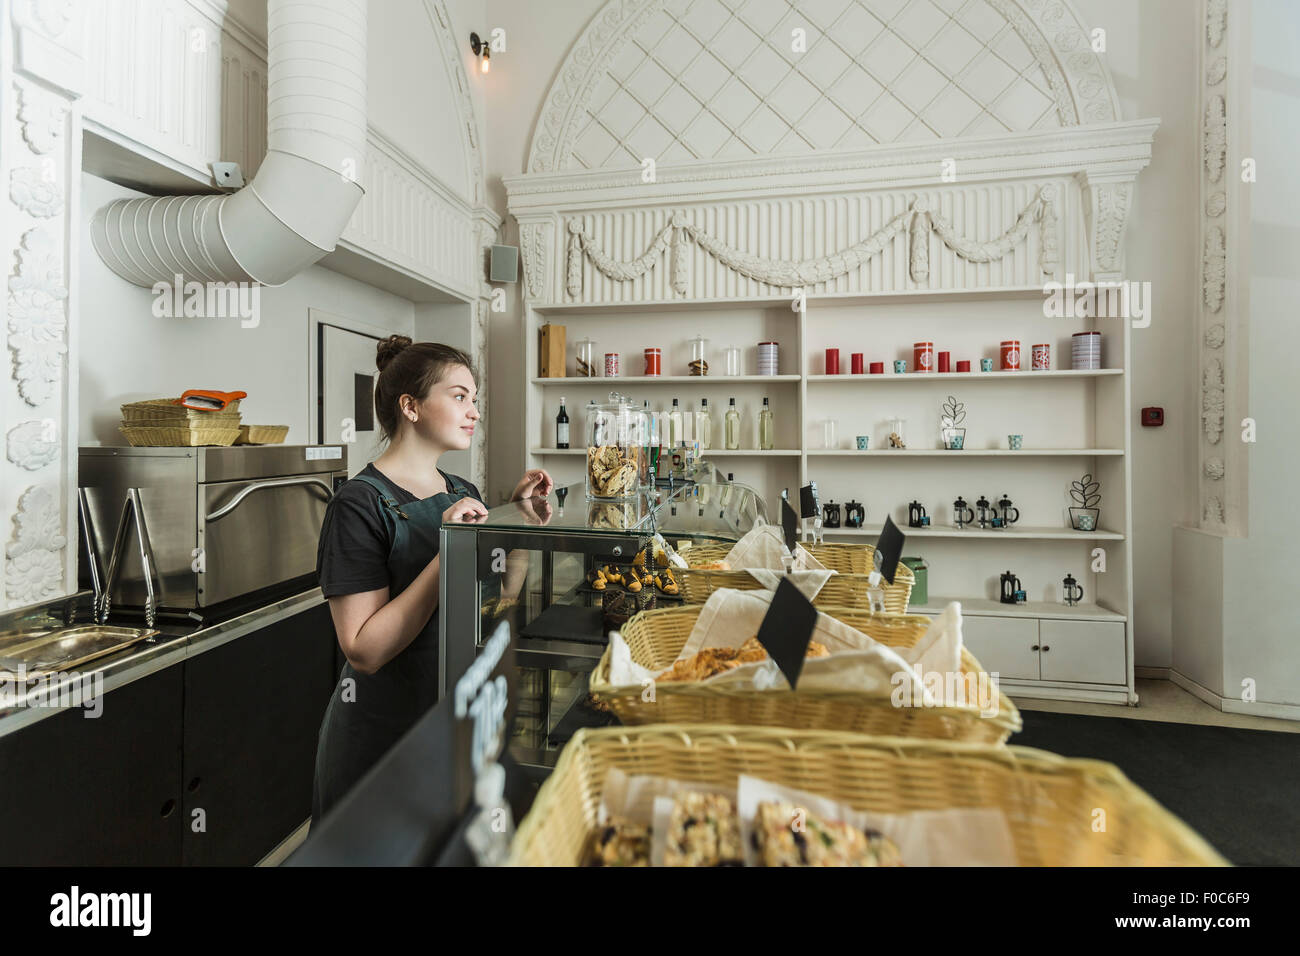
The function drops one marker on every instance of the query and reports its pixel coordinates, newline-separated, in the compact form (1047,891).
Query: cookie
(703,830)
(786,836)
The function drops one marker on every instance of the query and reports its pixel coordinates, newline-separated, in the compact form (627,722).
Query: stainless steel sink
(45,652)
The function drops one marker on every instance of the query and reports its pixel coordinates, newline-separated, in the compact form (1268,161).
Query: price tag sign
(810,505)
(889,547)
(787,630)
(789,525)
(483,699)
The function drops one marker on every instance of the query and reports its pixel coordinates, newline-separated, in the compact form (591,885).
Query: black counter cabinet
(229,730)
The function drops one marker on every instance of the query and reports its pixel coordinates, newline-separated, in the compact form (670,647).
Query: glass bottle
(562,427)
(732,427)
(674,425)
(704,425)
(766,428)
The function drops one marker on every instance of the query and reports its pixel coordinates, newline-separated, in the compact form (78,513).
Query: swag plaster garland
(918,219)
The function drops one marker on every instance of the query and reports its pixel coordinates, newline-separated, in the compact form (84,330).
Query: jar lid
(769,343)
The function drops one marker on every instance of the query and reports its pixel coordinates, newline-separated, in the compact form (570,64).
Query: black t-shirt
(354,540)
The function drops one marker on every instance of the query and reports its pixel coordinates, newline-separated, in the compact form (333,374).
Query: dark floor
(1239,789)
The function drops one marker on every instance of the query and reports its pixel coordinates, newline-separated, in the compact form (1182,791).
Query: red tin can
(856,363)
(1011,355)
(1042,355)
(877,368)
(653,358)
(963,365)
(832,361)
(945,358)
(923,356)
(611,364)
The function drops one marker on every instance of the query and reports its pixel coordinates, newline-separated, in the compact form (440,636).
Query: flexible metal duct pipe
(306,189)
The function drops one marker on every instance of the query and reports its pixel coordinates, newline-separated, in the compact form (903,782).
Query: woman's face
(447,417)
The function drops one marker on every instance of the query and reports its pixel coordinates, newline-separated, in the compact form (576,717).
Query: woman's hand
(466,509)
(535,482)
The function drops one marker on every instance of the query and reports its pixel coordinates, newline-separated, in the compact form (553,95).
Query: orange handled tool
(208,400)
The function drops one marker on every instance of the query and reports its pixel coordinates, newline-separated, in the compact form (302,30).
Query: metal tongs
(133,512)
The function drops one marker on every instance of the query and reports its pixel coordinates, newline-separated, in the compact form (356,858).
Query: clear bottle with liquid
(766,428)
(704,425)
(732,427)
(674,425)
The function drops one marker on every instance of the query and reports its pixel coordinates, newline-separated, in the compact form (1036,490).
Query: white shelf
(982,607)
(667,379)
(706,455)
(1011,534)
(557,451)
(813,301)
(972,376)
(877,453)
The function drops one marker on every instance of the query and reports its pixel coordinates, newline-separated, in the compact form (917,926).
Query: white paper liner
(966,837)
(763,546)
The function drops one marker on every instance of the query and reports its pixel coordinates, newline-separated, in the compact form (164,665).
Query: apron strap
(384,496)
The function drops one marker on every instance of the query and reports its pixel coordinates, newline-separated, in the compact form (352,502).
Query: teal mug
(863,441)
(900,366)
(986,365)
(1013,442)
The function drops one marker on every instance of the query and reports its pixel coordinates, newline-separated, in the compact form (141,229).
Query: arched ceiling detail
(682,80)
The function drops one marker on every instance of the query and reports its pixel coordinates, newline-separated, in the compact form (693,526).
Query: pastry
(713,661)
(712,566)
(786,836)
(703,830)
(621,843)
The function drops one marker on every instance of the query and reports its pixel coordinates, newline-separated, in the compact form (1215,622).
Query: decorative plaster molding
(1214,469)
(453,57)
(33,565)
(1216,137)
(1212,400)
(41,114)
(51,17)
(1112,214)
(1214,266)
(37,321)
(1216,22)
(1214,336)
(34,193)
(1216,72)
(30,446)
(1216,204)
(1080,85)
(918,219)
(532,244)
(1213,509)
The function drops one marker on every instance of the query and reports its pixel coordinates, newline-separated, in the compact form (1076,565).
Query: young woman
(378,558)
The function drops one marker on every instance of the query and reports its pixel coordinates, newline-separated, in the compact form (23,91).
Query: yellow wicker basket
(261,434)
(656,637)
(1051,802)
(167,436)
(166,411)
(846,588)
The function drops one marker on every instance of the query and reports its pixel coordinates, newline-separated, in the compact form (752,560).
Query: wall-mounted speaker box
(503,264)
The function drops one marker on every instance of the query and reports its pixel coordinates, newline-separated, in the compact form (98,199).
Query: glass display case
(532,561)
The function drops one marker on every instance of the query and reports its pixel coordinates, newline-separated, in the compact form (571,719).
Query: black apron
(365,718)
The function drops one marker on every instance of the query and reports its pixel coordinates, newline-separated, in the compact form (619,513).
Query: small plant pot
(954,439)
(1085,519)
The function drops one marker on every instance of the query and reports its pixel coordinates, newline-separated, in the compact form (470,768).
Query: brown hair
(410,368)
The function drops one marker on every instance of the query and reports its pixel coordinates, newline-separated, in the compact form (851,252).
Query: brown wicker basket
(655,638)
(1050,802)
(846,588)
(166,411)
(166,436)
(261,434)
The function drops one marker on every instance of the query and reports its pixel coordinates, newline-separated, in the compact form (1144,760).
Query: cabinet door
(253,708)
(1005,645)
(97,791)
(1085,651)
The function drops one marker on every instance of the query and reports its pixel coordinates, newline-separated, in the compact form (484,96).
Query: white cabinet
(1088,652)
(1006,646)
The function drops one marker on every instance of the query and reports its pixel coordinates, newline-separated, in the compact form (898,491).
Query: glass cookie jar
(617,439)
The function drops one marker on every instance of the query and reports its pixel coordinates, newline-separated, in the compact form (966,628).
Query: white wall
(127,354)
(1150,53)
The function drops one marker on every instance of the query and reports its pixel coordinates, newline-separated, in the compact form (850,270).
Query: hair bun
(389,348)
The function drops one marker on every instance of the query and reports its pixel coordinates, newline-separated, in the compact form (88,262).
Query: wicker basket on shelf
(261,434)
(656,638)
(168,436)
(846,588)
(1050,802)
(166,411)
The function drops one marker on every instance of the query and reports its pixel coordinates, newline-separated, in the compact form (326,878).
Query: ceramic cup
(986,365)
(900,366)
(863,441)
(1013,442)
(1086,522)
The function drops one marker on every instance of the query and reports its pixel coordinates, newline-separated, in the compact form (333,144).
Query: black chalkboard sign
(787,629)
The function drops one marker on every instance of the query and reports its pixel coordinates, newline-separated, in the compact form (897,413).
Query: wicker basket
(655,638)
(846,588)
(156,436)
(261,434)
(1050,802)
(166,411)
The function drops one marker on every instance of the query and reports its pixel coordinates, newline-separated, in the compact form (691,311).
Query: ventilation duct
(306,189)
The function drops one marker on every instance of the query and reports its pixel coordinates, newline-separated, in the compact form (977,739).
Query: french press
(854,515)
(1071,590)
(983,512)
(831,514)
(960,513)
(1011,589)
(1006,509)
(916,516)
